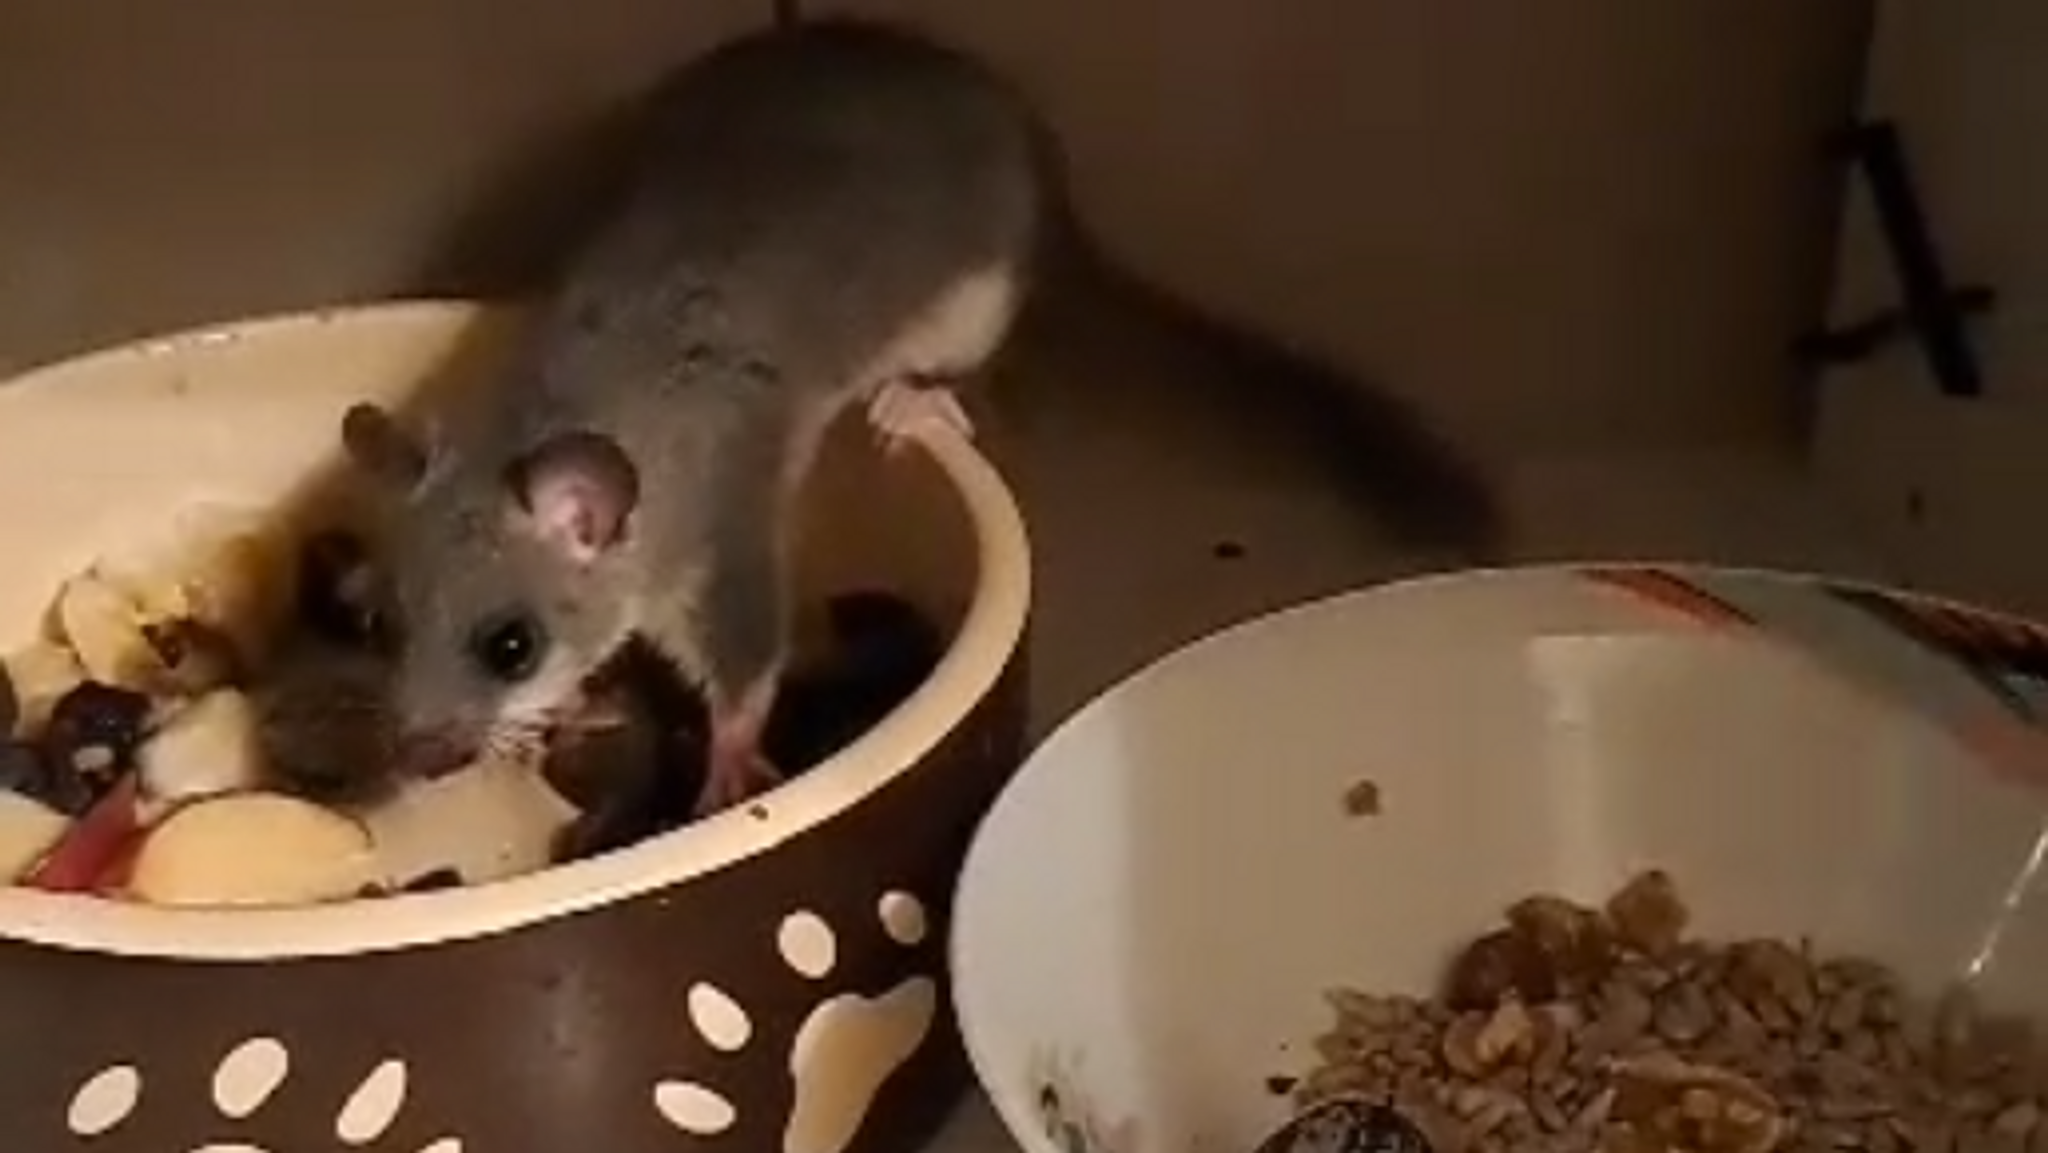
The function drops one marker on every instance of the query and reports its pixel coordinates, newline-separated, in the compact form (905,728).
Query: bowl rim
(998,1083)
(988,637)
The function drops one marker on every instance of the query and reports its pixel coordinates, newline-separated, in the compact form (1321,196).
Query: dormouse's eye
(508,646)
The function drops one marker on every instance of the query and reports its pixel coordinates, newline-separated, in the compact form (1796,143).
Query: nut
(1578,1030)
(1647,914)
(1499,965)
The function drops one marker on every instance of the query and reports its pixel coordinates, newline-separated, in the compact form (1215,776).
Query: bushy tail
(1404,475)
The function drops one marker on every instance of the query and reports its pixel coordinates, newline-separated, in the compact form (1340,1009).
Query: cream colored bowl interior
(100,453)
(1154,908)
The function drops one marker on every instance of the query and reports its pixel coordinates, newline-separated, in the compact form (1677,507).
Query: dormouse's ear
(576,490)
(377,444)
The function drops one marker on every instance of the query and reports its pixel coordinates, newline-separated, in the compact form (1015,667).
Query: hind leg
(914,386)
(908,406)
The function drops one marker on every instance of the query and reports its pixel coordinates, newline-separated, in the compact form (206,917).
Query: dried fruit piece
(209,747)
(93,733)
(221,571)
(103,625)
(100,714)
(252,849)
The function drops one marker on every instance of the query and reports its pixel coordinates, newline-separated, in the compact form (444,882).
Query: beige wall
(1951,489)
(1601,223)
(160,167)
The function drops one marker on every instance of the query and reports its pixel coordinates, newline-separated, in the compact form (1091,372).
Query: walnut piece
(1574,1029)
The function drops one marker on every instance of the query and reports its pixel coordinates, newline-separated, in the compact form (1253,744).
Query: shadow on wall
(159,170)
(1514,222)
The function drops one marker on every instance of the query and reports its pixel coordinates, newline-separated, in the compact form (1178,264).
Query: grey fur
(804,196)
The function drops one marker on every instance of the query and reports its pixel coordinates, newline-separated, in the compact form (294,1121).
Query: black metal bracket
(1935,312)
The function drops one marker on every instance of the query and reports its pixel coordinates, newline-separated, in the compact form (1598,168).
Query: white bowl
(1150,916)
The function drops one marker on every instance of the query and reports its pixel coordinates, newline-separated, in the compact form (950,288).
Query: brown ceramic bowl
(768,979)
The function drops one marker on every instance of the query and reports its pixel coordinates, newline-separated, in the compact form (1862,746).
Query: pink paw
(733,776)
(902,409)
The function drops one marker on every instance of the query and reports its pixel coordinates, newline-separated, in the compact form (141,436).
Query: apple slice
(103,625)
(491,820)
(252,849)
(220,568)
(210,747)
(93,845)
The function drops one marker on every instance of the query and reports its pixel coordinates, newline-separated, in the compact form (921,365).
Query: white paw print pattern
(845,1049)
(243,1083)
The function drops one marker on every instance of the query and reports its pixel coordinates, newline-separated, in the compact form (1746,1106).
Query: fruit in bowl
(768,977)
(1603,858)
(216,732)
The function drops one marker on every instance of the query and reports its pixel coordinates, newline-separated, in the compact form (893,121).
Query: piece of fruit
(28,830)
(103,625)
(252,849)
(40,674)
(207,748)
(24,769)
(121,639)
(93,733)
(492,820)
(93,846)
(221,569)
